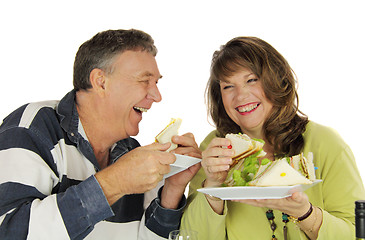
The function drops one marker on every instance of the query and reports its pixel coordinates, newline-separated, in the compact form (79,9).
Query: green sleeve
(198,210)
(341,186)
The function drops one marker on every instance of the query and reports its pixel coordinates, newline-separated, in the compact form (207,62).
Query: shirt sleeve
(198,209)
(82,206)
(342,186)
(195,218)
(28,203)
(161,220)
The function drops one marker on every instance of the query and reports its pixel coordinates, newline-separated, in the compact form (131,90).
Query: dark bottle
(360,219)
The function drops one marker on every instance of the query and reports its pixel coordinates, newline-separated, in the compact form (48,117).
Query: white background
(324,42)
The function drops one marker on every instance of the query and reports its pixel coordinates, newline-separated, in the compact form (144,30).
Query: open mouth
(140,109)
(247,108)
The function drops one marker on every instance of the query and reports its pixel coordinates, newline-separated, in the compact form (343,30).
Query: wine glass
(183,235)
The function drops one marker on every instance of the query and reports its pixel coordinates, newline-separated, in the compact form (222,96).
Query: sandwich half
(245,160)
(279,173)
(168,132)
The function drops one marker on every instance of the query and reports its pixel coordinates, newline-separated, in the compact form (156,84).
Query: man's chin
(133,132)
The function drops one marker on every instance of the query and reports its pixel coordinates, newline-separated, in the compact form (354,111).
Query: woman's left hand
(296,205)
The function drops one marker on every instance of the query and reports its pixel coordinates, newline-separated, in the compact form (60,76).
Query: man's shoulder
(26,114)
(38,111)
(38,117)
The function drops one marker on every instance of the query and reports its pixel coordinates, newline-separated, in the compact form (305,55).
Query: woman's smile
(247,108)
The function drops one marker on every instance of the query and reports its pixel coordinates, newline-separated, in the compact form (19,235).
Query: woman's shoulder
(208,139)
(320,135)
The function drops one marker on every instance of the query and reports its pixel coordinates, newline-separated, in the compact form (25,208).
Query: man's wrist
(171,196)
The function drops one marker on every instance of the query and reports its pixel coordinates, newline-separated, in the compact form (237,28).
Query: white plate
(237,193)
(182,162)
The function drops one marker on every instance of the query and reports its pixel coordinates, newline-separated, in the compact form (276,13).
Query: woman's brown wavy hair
(285,125)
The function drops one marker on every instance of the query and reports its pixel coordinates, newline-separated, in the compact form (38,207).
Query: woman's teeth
(141,109)
(247,108)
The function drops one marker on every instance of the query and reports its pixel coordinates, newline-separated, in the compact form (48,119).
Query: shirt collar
(71,124)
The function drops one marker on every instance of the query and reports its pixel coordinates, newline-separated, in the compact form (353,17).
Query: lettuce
(250,167)
(238,179)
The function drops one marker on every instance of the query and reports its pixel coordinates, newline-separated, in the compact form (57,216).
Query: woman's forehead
(242,73)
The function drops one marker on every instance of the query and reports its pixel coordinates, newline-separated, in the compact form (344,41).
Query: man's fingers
(185,140)
(157,146)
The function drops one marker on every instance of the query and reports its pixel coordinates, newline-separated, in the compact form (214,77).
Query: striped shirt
(47,184)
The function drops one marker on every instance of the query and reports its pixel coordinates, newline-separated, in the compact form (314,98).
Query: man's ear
(97,79)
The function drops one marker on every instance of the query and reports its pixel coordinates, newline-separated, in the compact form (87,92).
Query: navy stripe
(64,184)
(13,195)
(16,224)
(124,212)
(20,197)
(26,139)
(13,119)
(45,124)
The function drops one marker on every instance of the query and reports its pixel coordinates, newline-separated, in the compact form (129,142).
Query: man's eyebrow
(148,74)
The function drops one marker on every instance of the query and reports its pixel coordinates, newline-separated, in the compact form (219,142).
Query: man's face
(130,90)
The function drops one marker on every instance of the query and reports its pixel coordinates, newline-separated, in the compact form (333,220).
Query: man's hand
(137,171)
(175,185)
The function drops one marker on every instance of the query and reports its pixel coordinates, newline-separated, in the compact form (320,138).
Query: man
(70,170)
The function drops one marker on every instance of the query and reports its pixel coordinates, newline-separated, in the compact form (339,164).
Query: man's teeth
(247,108)
(141,109)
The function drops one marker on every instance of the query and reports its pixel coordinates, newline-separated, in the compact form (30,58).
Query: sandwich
(249,168)
(245,161)
(286,172)
(168,132)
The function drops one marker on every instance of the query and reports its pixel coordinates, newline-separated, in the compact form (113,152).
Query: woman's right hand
(216,160)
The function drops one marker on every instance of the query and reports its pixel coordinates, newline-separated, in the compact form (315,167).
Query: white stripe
(32,109)
(46,221)
(117,231)
(28,168)
(111,231)
(152,194)
(145,233)
(70,162)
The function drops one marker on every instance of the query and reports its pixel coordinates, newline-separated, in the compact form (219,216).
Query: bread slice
(168,132)
(304,165)
(240,143)
(280,173)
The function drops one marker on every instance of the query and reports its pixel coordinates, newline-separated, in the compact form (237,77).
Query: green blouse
(335,195)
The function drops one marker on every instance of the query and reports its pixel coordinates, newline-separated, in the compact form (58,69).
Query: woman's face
(245,102)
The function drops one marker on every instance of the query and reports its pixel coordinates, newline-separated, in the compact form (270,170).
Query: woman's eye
(252,80)
(227,87)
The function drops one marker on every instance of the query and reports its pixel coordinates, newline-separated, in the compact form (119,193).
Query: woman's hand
(216,160)
(296,205)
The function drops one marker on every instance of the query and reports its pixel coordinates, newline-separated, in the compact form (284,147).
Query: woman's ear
(97,79)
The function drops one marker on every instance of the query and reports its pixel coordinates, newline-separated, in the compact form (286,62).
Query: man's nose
(154,93)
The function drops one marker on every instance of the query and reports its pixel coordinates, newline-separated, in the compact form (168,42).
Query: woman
(252,90)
